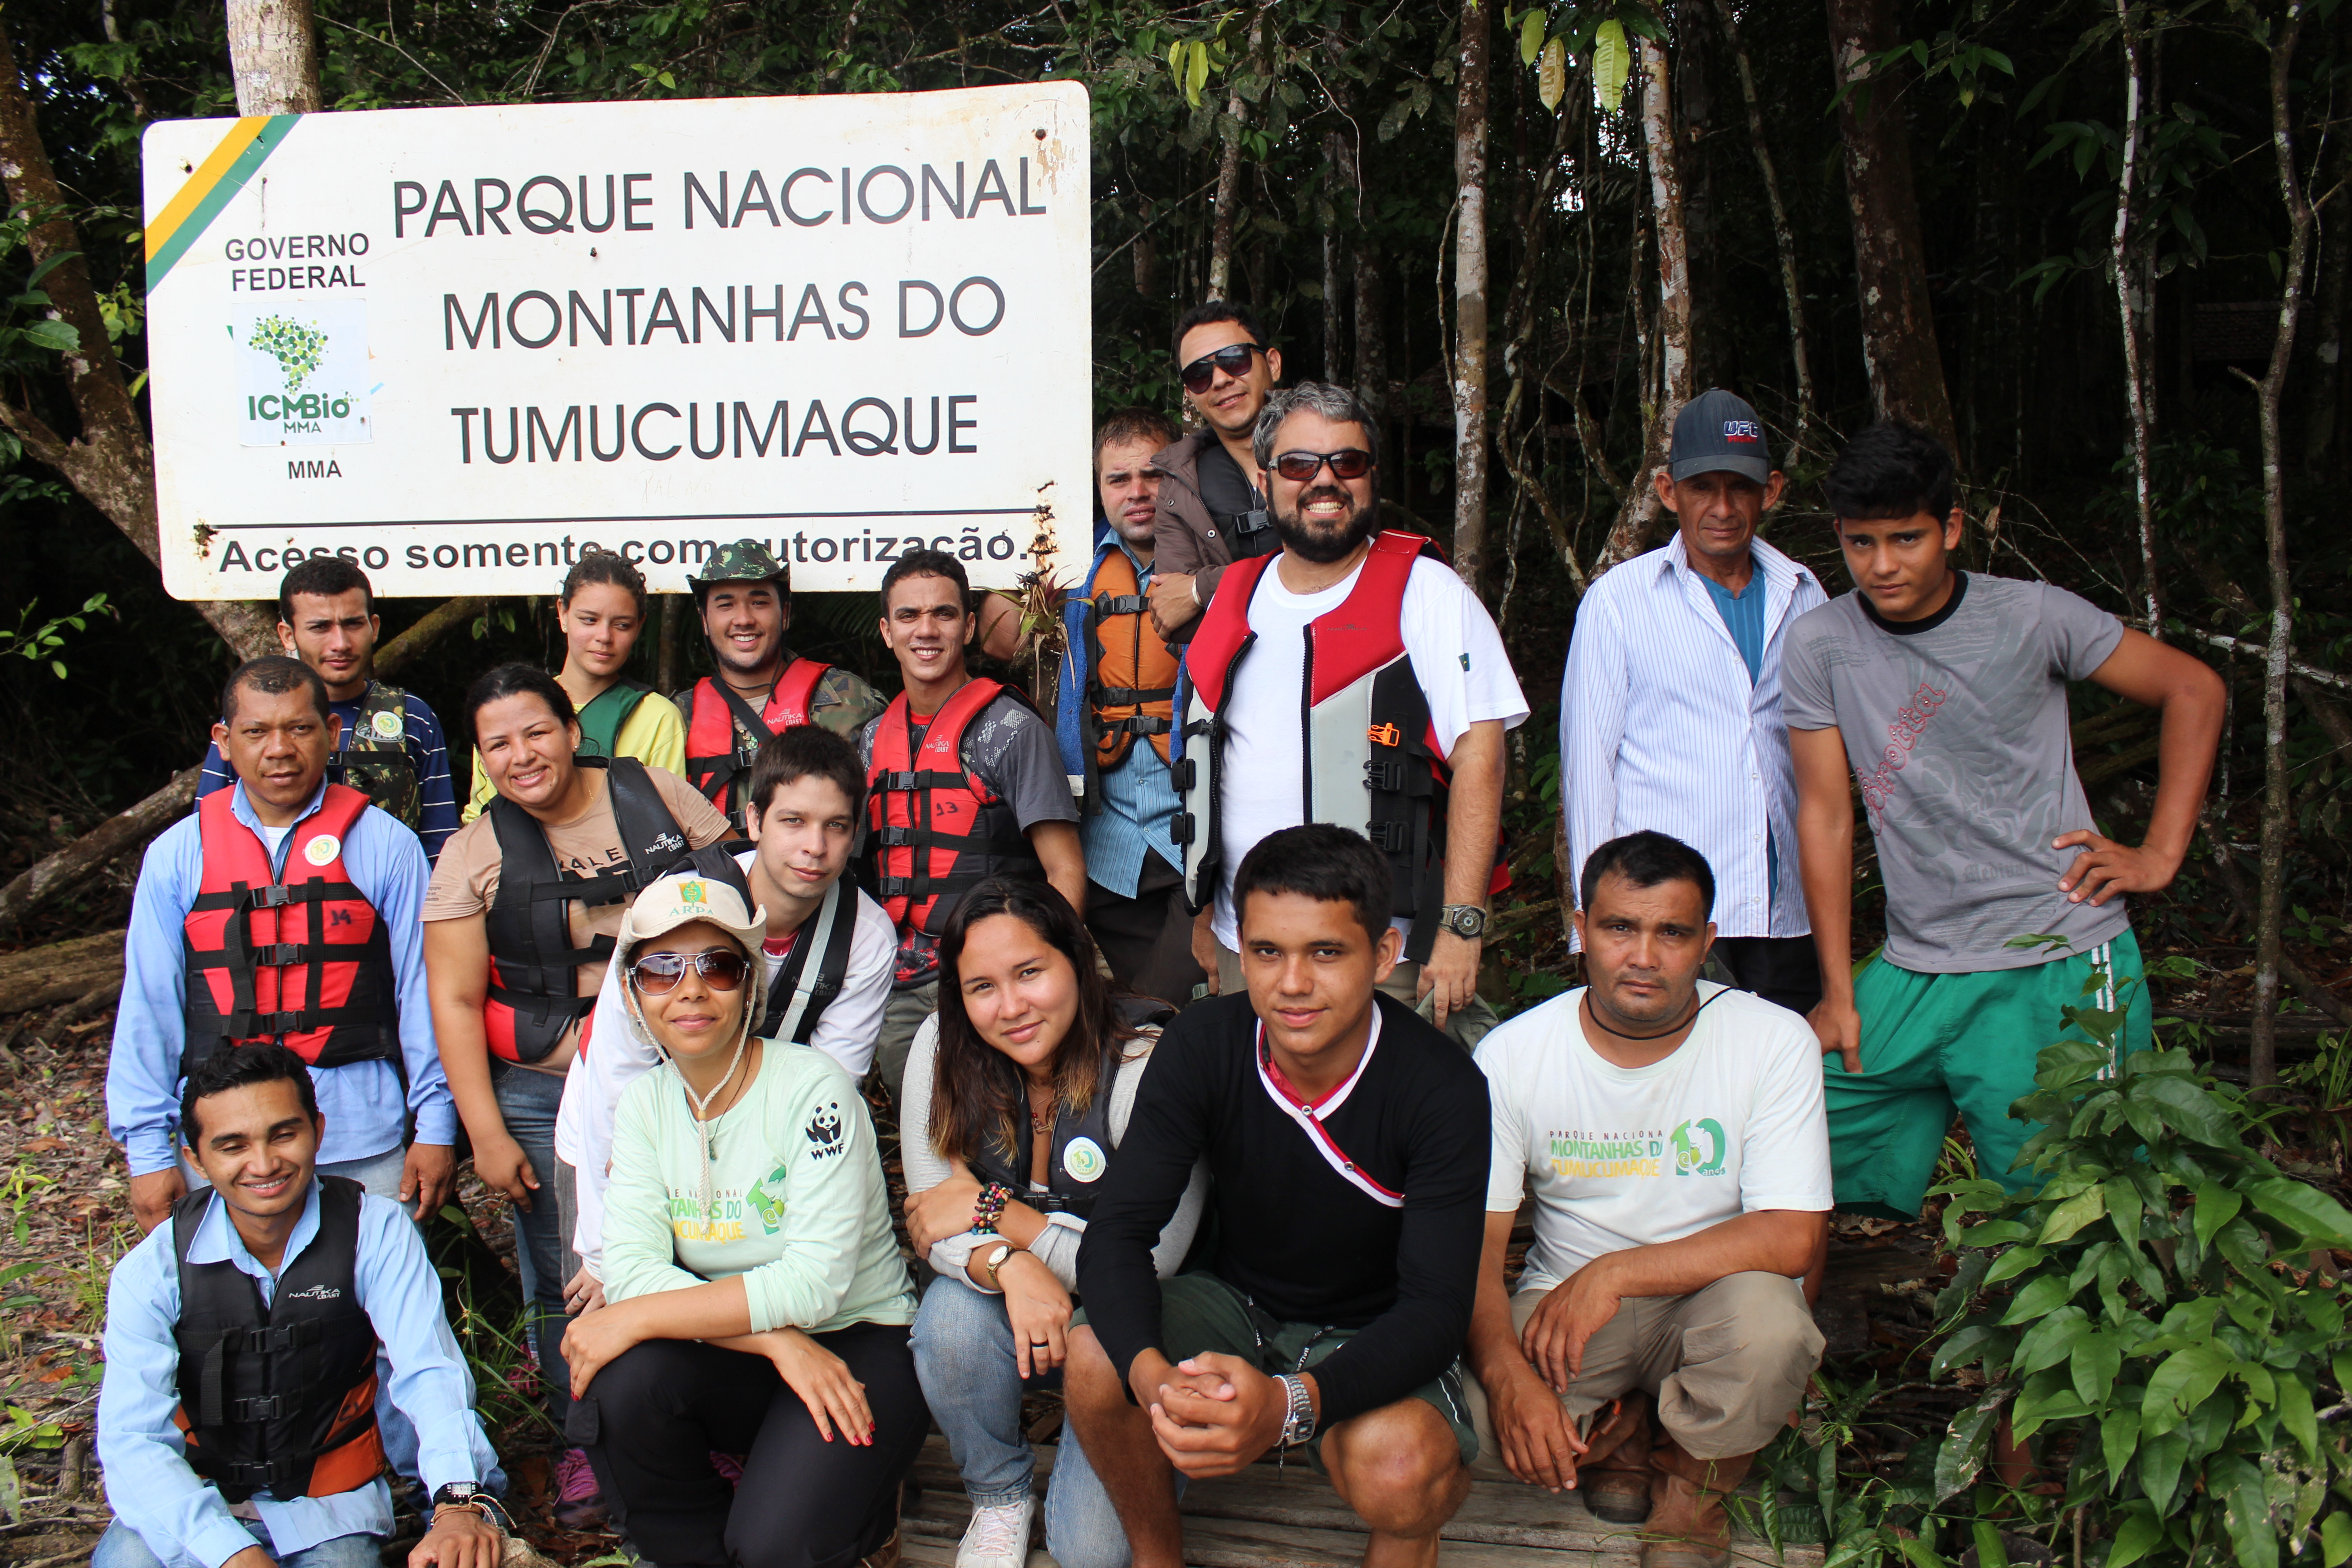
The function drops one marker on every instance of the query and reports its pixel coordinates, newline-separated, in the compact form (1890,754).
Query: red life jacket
(1372,760)
(937,829)
(716,757)
(306,960)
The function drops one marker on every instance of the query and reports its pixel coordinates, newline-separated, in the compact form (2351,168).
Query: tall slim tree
(1470,295)
(1637,516)
(1784,234)
(1898,329)
(273,47)
(2133,289)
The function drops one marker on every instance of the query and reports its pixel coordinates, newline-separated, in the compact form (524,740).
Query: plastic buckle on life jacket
(1389,837)
(272,898)
(1385,735)
(1181,772)
(267,1407)
(278,952)
(1385,776)
(893,837)
(899,783)
(1180,827)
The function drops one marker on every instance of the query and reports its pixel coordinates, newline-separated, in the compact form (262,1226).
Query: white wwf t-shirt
(1625,1157)
(1457,655)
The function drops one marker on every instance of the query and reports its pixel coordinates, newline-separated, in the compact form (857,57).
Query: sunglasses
(1347,463)
(657,974)
(1234,359)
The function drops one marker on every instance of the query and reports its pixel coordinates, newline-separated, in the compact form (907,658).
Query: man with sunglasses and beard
(1405,692)
(1212,509)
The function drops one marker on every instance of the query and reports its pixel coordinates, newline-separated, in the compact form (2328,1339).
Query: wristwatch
(474,1499)
(994,1261)
(1466,920)
(1299,1424)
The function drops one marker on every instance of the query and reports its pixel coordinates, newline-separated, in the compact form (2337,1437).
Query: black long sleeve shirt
(1294,1234)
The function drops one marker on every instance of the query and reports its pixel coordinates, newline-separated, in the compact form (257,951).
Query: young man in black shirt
(1350,1143)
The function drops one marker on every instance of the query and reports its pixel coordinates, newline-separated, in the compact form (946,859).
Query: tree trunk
(273,49)
(1371,316)
(1335,325)
(1664,399)
(65,868)
(61,972)
(2262,1061)
(1229,173)
(1707,256)
(2131,302)
(1784,235)
(437,623)
(109,463)
(1898,328)
(1470,295)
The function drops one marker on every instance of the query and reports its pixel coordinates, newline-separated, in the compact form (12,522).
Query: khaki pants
(902,1014)
(1725,1365)
(1466,1025)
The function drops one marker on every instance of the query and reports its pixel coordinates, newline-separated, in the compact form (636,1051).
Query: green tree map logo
(295,347)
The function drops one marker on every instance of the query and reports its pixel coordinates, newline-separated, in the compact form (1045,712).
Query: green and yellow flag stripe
(211,187)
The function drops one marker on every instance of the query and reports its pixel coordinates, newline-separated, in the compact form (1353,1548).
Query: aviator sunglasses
(1347,463)
(1234,359)
(657,974)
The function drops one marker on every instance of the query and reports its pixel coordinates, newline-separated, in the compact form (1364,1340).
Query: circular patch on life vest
(387,725)
(322,849)
(1084,1160)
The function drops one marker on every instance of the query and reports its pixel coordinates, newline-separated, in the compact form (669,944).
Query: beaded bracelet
(991,1208)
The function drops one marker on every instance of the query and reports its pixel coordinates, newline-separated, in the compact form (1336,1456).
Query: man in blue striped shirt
(391,748)
(1670,709)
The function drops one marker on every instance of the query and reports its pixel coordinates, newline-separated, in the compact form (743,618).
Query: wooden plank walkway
(1290,1518)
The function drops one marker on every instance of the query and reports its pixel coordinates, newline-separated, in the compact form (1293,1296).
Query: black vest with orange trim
(299,957)
(935,830)
(718,757)
(534,991)
(1118,679)
(279,1398)
(1372,761)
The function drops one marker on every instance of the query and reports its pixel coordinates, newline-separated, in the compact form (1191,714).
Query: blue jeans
(528,1101)
(963,1356)
(124,1547)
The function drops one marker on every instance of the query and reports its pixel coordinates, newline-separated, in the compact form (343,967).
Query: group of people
(1203,1116)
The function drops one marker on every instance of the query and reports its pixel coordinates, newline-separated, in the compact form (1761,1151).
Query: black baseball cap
(1718,431)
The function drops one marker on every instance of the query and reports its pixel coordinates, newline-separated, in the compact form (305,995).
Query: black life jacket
(534,993)
(805,984)
(280,1399)
(1082,1142)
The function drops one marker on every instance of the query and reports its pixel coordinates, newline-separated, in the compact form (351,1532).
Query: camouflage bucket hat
(744,561)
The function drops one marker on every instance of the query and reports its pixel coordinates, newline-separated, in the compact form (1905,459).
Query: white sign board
(461,345)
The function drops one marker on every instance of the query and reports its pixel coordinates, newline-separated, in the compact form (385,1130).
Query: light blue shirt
(1743,618)
(1139,800)
(1665,723)
(361,1102)
(181,1516)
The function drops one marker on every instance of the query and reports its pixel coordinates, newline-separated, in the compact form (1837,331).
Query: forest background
(2099,246)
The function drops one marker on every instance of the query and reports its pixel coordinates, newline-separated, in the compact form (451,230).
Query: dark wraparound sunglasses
(1234,359)
(1347,463)
(657,974)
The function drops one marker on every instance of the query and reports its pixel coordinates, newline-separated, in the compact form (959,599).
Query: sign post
(460,346)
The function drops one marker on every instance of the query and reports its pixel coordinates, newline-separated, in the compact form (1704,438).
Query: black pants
(1782,968)
(1147,939)
(653,1418)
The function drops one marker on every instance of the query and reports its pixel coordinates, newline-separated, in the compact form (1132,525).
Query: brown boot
(1613,1476)
(1688,1527)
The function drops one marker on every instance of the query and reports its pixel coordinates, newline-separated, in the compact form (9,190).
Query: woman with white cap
(756,1300)
(1019,1091)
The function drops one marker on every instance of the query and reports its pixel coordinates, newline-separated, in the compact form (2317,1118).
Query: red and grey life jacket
(279,1398)
(723,732)
(935,830)
(1372,761)
(299,957)
(534,993)
(1117,679)
(1082,1141)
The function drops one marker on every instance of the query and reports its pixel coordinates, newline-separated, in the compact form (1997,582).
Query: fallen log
(60,972)
(96,850)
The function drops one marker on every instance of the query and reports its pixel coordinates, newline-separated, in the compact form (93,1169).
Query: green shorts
(1199,1313)
(1935,1043)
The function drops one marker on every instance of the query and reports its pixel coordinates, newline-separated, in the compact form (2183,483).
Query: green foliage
(2150,1305)
(40,643)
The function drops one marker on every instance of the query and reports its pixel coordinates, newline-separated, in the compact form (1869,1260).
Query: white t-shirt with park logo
(1623,1157)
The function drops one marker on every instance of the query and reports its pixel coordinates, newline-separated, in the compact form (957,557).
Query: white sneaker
(998,1537)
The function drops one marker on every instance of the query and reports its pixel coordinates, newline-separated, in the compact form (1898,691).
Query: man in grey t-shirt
(1946,691)
(942,833)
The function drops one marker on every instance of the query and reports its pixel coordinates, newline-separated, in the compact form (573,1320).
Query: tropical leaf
(1551,74)
(1613,64)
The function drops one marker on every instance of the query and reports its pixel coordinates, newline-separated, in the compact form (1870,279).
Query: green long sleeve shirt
(797,1208)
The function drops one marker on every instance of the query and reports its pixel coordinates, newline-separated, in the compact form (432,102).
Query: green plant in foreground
(2153,1305)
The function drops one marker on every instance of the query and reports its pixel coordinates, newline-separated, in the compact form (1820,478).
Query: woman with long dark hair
(1018,1092)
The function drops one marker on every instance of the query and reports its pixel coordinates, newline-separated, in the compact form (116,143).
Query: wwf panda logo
(823,1131)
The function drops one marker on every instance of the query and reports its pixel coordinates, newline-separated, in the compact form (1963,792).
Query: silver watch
(1299,1424)
(1465,921)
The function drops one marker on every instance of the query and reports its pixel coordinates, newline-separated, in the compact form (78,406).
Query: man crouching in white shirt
(1674,1135)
